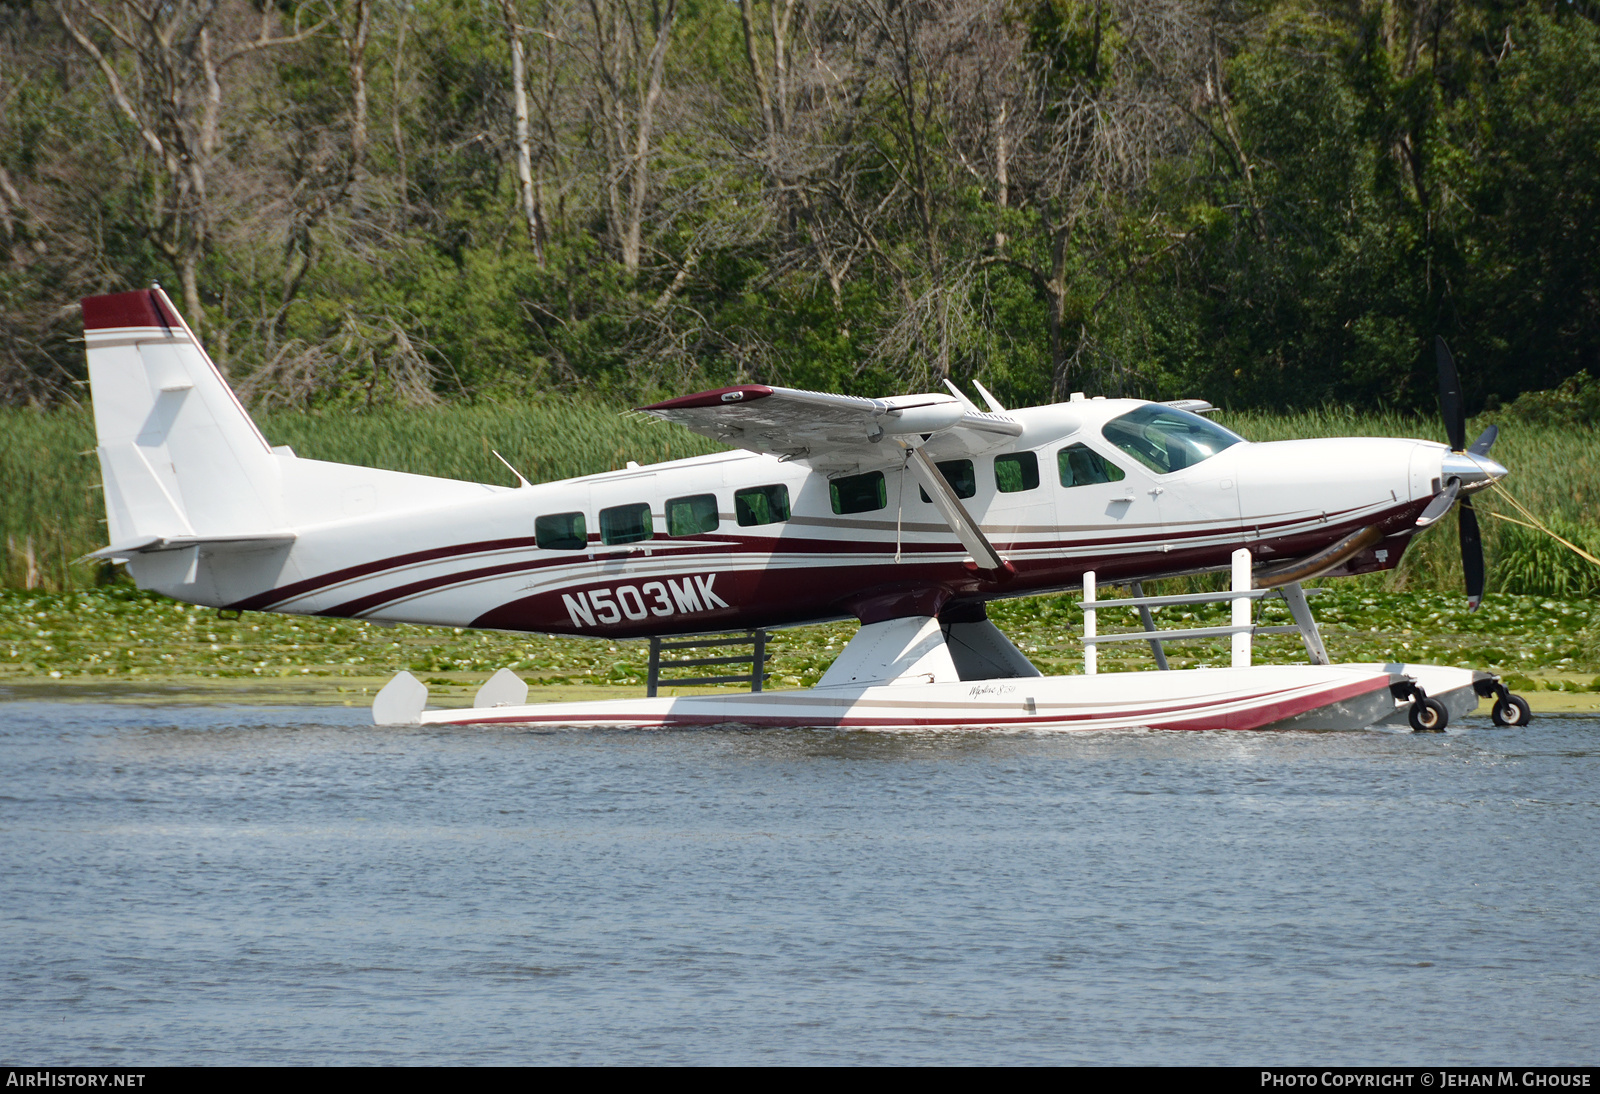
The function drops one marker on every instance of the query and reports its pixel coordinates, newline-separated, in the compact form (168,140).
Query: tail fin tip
(140,308)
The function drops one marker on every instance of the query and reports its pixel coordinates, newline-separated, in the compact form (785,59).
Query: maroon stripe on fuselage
(367,603)
(262,601)
(1034,575)
(722,544)
(799,594)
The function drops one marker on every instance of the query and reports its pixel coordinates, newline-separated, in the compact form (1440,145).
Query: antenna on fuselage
(513,470)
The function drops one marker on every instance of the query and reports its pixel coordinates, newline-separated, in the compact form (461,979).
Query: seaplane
(909,513)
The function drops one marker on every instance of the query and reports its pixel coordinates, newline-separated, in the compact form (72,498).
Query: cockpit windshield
(1166,440)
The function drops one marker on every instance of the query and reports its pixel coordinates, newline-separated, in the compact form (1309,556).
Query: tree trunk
(189,276)
(524,137)
(640,181)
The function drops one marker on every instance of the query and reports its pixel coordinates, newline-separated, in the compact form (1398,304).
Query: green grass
(53,514)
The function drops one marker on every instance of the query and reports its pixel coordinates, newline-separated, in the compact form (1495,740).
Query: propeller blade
(1471,555)
(1485,441)
(1450,402)
(1441,504)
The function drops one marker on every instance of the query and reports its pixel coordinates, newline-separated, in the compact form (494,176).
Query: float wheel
(1511,710)
(1428,716)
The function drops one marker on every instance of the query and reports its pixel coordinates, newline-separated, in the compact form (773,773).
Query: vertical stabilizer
(178,454)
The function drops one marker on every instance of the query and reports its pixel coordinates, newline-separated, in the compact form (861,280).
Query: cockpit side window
(1167,440)
(1081,465)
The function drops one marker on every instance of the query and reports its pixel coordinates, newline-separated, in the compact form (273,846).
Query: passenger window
(561,532)
(1081,465)
(859,493)
(1016,472)
(625,524)
(761,505)
(961,476)
(691,516)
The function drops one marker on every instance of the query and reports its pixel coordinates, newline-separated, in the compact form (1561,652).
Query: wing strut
(956,516)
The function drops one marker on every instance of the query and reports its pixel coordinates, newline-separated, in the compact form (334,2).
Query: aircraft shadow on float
(908,513)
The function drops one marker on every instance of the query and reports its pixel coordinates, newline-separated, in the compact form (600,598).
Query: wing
(838,432)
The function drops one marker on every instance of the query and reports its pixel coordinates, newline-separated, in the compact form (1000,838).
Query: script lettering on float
(636,602)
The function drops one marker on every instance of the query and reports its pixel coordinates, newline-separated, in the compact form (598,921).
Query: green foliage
(52,512)
(1532,562)
(1283,223)
(1575,402)
(1393,194)
(1077,41)
(546,440)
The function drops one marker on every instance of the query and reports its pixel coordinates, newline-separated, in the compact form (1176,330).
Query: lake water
(231,885)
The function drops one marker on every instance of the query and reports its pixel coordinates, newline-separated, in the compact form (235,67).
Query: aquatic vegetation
(119,633)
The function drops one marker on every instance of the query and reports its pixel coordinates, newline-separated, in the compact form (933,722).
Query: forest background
(368,206)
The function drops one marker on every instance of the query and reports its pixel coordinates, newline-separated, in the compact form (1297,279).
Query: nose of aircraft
(1474,471)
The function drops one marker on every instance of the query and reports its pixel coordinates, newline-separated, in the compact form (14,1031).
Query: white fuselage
(475,559)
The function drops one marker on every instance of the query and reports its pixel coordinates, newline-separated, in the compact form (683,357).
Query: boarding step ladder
(1241,629)
(756,659)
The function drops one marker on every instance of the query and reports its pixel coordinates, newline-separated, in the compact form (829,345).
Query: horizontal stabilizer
(148,544)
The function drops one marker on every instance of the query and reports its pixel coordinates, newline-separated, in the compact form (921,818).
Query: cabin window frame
(944,470)
(1027,461)
(769,492)
(635,509)
(859,493)
(701,527)
(573,537)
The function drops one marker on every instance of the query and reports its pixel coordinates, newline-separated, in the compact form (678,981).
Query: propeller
(1485,441)
(1450,402)
(1454,409)
(1440,505)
